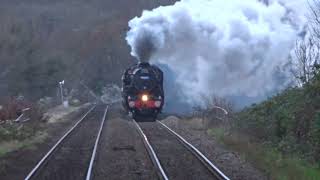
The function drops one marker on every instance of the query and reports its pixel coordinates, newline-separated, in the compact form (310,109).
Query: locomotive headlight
(144,98)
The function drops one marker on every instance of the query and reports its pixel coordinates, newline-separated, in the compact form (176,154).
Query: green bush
(15,132)
(290,120)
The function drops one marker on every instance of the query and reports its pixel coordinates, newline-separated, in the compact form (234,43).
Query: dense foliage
(289,121)
(44,42)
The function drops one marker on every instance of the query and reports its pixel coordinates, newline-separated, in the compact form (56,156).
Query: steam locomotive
(142,90)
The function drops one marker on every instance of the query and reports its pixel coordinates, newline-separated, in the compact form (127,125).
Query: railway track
(173,156)
(72,157)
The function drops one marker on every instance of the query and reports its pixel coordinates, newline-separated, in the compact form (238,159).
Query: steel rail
(89,172)
(39,164)
(151,153)
(212,168)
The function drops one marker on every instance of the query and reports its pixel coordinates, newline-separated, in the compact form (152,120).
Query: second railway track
(72,157)
(174,157)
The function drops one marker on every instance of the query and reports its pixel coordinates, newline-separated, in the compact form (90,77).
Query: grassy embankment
(17,136)
(280,136)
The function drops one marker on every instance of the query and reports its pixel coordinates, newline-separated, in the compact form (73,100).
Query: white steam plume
(221,47)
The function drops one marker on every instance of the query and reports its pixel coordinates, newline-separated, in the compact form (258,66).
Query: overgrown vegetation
(16,144)
(289,120)
(16,133)
(34,126)
(14,136)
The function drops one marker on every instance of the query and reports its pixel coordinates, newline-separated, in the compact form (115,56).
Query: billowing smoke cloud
(143,45)
(228,48)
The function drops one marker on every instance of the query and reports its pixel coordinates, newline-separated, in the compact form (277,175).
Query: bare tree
(307,54)
(314,19)
(307,50)
(315,24)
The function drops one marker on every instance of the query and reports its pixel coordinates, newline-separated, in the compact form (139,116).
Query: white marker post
(64,103)
(61,90)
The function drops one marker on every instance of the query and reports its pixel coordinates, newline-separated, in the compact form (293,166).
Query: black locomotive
(142,90)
